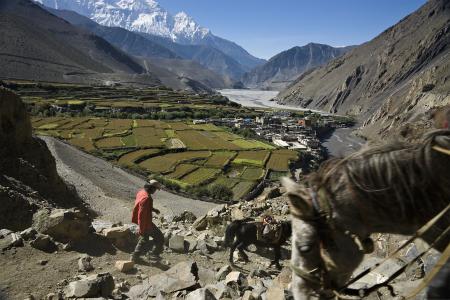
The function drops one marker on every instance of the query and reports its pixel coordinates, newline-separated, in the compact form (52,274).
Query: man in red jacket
(142,215)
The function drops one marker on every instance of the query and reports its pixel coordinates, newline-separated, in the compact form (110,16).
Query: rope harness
(319,276)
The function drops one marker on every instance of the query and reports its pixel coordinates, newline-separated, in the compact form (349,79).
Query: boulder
(236,277)
(248,295)
(186,216)
(275,292)
(29,234)
(177,244)
(217,210)
(121,236)
(206,276)
(85,263)
(223,272)
(237,214)
(4,233)
(192,245)
(98,285)
(44,243)
(222,291)
(201,294)
(10,241)
(200,223)
(124,266)
(284,278)
(100,225)
(180,277)
(62,224)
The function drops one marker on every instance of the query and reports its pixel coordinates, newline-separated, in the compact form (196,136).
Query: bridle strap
(441,149)
(306,275)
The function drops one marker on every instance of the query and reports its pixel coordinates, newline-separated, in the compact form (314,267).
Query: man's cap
(154,183)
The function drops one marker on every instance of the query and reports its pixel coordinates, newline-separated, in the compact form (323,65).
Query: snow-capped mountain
(135,15)
(148,16)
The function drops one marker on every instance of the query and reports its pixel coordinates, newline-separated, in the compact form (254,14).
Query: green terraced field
(164,163)
(255,158)
(185,154)
(200,176)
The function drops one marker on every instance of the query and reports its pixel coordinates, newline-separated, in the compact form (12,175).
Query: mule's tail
(230,232)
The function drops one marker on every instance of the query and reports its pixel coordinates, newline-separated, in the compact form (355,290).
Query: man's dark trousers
(144,244)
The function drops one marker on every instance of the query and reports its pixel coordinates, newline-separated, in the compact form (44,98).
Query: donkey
(392,188)
(245,233)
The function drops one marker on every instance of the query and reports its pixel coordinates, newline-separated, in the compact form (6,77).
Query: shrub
(220,191)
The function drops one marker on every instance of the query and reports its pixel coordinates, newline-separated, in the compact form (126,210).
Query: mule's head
(323,258)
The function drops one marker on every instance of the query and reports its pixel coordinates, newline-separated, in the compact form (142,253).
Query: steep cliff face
(395,79)
(28,176)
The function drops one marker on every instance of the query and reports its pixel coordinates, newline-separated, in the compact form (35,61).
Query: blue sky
(265,28)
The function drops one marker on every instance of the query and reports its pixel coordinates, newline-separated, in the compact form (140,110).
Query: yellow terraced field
(129,159)
(256,158)
(109,143)
(181,170)
(219,159)
(279,160)
(200,176)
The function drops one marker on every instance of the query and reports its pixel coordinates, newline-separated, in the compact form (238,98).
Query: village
(300,131)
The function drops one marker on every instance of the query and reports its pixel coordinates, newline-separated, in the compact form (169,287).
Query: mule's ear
(299,198)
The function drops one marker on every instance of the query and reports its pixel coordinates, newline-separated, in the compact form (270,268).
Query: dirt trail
(110,190)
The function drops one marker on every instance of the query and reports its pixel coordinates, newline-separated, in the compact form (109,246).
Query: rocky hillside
(28,177)
(285,67)
(394,79)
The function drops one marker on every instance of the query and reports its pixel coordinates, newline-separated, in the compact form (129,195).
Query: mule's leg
(232,249)
(277,257)
(241,247)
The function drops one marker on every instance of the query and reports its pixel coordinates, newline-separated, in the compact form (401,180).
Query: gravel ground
(110,190)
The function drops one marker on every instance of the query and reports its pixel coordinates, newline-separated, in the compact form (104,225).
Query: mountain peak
(136,15)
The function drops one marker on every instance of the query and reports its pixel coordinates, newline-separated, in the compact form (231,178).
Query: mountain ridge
(38,45)
(147,16)
(285,67)
(391,81)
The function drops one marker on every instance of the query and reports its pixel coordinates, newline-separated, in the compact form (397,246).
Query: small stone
(275,292)
(43,262)
(85,263)
(11,240)
(200,223)
(201,294)
(44,243)
(29,234)
(248,295)
(124,266)
(236,277)
(177,243)
(223,272)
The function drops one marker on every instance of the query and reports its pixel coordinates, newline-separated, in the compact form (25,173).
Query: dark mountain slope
(162,62)
(37,45)
(286,66)
(207,56)
(394,79)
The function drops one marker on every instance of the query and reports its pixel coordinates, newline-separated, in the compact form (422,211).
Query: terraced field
(184,154)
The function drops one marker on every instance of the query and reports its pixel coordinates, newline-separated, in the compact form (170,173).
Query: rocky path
(110,190)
